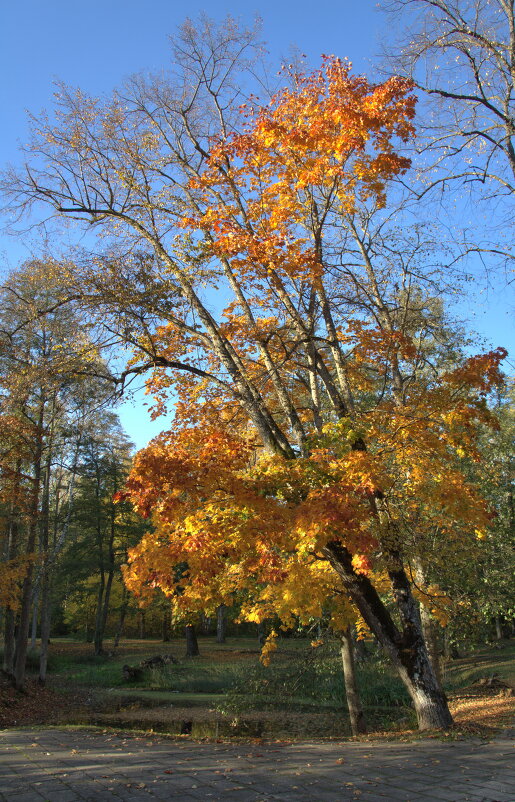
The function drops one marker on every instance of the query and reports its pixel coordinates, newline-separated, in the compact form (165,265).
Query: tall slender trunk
(167,623)
(221,623)
(45,546)
(46,618)
(97,637)
(11,550)
(9,642)
(406,645)
(429,627)
(35,616)
(123,612)
(142,628)
(26,600)
(356,715)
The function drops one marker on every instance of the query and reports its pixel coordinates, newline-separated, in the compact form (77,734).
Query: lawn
(226,691)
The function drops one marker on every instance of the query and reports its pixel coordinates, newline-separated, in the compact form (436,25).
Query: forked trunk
(406,646)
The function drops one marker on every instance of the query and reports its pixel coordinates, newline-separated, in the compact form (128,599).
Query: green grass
(498,659)
(230,678)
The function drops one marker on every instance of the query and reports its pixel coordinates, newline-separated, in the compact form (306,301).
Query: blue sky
(95,46)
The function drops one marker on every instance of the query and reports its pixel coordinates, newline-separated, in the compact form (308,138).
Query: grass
(497,659)
(302,690)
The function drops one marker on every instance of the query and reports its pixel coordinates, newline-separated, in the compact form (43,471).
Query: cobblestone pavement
(59,765)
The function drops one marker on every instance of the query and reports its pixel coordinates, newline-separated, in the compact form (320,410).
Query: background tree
(47,356)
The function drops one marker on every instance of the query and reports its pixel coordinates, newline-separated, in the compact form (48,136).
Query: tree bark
(406,646)
(192,649)
(356,715)
(430,637)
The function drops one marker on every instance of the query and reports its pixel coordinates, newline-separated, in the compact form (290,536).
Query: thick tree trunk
(430,637)
(406,646)
(356,715)
(221,622)
(192,649)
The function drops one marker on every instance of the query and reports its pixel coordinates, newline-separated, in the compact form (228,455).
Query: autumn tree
(47,357)
(311,365)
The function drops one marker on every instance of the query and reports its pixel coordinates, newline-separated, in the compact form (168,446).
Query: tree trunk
(123,613)
(356,715)
(221,623)
(498,627)
(167,623)
(430,637)
(45,626)
(45,573)
(98,636)
(428,626)
(406,646)
(34,625)
(142,629)
(11,550)
(26,600)
(9,642)
(192,649)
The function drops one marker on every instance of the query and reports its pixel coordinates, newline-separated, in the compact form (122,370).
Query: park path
(68,765)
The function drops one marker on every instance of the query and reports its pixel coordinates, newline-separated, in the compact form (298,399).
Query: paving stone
(66,766)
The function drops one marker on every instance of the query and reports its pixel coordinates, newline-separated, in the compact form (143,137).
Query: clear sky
(95,45)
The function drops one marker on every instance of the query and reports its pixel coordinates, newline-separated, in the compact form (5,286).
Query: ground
(82,689)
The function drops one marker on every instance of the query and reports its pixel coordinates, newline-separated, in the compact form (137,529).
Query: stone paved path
(70,765)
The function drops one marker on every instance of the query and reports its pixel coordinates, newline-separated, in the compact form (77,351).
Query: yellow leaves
(12,574)
(269,647)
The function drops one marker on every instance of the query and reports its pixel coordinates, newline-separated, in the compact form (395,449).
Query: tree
(47,355)
(313,343)
(102,531)
(461,54)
